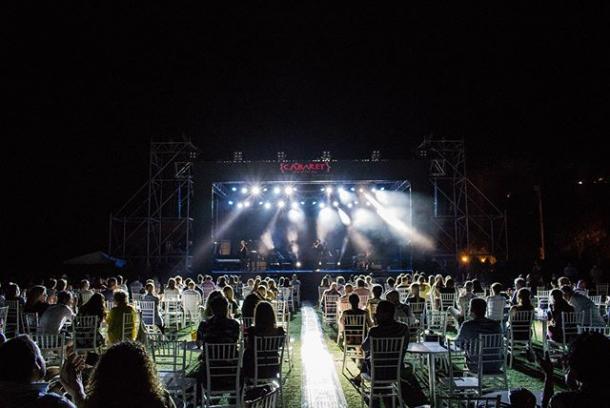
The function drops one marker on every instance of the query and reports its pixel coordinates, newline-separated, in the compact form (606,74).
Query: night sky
(89,87)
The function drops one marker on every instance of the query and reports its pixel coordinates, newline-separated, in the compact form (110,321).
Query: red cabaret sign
(316,167)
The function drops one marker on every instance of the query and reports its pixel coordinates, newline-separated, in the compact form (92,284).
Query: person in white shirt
(463,303)
(581,303)
(55,316)
(172,291)
(85,293)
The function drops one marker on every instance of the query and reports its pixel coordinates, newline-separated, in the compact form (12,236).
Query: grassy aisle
(292,386)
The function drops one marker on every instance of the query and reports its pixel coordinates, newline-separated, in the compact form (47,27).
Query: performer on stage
(319,251)
(243,255)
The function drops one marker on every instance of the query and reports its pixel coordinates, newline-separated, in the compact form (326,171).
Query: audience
(264,326)
(36,300)
(150,296)
(463,303)
(556,307)
(582,304)
(219,328)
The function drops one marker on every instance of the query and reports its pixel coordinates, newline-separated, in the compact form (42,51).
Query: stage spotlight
(368,203)
(382,188)
(281,204)
(319,263)
(294,205)
(265,189)
(314,203)
(247,204)
(233,188)
(244,190)
(298,264)
(352,189)
(374,189)
(323,189)
(267,205)
(349,205)
(335,204)
(276,190)
(260,203)
(230,202)
(240,205)
(288,190)
(338,263)
(361,190)
(341,189)
(256,190)
(329,190)
(356,202)
(302,202)
(322,205)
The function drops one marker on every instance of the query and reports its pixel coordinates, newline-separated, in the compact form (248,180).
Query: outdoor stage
(304,217)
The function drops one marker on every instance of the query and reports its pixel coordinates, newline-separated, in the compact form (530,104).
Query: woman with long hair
(36,301)
(557,305)
(94,307)
(265,325)
(124,376)
(233,306)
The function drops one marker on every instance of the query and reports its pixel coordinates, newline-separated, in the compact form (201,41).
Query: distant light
(580,182)
(298,264)
(349,205)
(247,204)
(240,205)
(323,189)
(465,259)
(361,190)
(230,202)
(338,263)
(319,263)
(335,204)
(281,204)
(256,190)
(260,203)
(356,202)
(322,205)
(368,203)
(265,189)
(288,190)
(267,205)
(244,190)
(352,189)
(302,202)
(341,188)
(373,189)
(314,203)
(233,188)
(329,190)
(276,190)
(294,205)
(382,188)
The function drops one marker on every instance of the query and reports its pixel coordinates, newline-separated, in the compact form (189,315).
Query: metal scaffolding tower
(466,222)
(154,227)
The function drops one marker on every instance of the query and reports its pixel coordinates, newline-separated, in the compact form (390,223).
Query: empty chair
(605,330)
(85,334)
(569,329)
(170,359)
(403,293)
(172,310)
(149,314)
(436,322)
(30,322)
(222,374)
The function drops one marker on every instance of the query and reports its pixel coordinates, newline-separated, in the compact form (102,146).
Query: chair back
(604,330)
(268,356)
(137,297)
(31,323)
(418,309)
(570,322)
(520,325)
(364,300)
(222,365)
(470,401)
(247,322)
(129,326)
(485,355)
(281,313)
(3,316)
(495,308)
(168,355)
(597,299)
(447,300)
(52,347)
(13,321)
(403,294)
(85,296)
(330,308)
(85,334)
(436,321)
(386,359)
(268,400)
(149,312)
(601,289)
(354,329)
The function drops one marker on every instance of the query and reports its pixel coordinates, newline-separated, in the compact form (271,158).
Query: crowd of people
(231,310)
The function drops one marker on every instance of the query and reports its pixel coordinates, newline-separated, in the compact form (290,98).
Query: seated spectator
(496,303)
(403,283)
(415,295)
(476,287)
(373,301)
(150,296)
(463,303)
(354,310)
(264,325)
(582,304)
(349,289)
(233,305)
(361,289)
(54,318)
(179,283)
(172,292)
(115,318)
(249,305)
(22,385)
(424,287)
(563,281)
(332,291)
(208,312)
(85,293)
(124,376)
(325,283)
(221,282)
(295,280)
(111,287)
(588,359)
(556,307)
(13,293)
(273,289)
(581,287)
(219,328)
(51,290)
(522,398)
(36,300)
(94,307)
(519,284)
(120,283)
(524,304)
(403,312)
(469,331)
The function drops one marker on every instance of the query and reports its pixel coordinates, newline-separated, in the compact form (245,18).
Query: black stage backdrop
(348,171)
